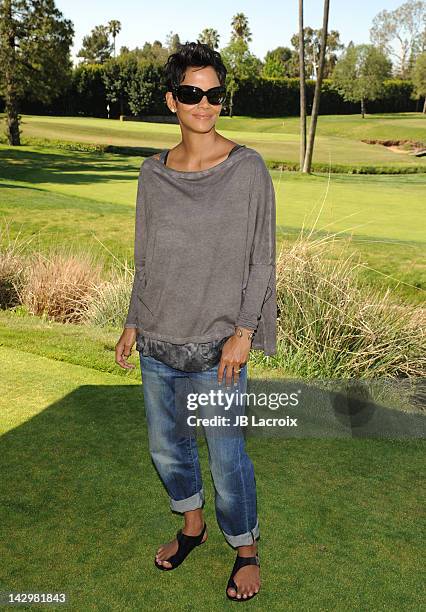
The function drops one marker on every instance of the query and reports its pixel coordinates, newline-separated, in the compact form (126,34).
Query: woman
(203,296)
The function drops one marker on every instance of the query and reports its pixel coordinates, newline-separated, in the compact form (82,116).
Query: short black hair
(192,54)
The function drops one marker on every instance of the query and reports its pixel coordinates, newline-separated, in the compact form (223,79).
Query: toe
(232,592)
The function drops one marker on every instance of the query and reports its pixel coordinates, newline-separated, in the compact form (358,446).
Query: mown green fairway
(79,196)
(340,520)
(338,138)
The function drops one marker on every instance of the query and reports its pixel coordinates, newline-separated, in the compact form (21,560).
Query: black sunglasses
(189,94)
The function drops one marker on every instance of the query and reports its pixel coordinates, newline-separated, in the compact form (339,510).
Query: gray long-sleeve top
(205,252)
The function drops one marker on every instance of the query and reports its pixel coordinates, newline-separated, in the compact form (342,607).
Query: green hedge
(280,97)
(272,97)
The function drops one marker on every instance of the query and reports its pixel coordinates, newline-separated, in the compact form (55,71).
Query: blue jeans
(175,453)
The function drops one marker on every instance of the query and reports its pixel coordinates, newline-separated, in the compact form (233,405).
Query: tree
(209,37)
(172,42)
(117,76)
(35,60)
(360,74)
(240,63)
(151,53)
(312,50)
(302,86)
(114,28)
(88,88)
(142,88)
(419,78)
(317,94)
(276,63)
(240,28)
(407,26)
(96,47)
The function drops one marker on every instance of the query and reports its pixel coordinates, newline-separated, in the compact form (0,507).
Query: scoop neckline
(195,173)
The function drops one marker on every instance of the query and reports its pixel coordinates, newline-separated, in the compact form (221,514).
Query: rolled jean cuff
(190,503)
(244,539)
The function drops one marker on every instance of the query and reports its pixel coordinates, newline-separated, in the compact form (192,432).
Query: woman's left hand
(235,353)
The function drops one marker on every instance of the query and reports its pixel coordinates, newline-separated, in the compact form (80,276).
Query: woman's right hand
(123,348)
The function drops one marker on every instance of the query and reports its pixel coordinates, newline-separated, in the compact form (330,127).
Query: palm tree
(315,106)
(209,37)
(114,28)
(239,24)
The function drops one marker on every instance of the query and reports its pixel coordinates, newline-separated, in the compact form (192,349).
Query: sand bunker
(408,147)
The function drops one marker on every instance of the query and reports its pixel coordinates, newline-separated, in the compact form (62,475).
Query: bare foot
(168,550)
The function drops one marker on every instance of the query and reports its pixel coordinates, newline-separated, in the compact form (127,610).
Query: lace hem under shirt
(189,357)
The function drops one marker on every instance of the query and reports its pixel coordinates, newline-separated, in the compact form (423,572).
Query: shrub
(110,299)
(12,266)
(60,285)
(331,325)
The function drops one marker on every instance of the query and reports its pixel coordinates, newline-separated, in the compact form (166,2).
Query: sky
(271,23)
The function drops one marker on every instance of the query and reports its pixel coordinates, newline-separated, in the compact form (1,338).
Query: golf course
(340,517)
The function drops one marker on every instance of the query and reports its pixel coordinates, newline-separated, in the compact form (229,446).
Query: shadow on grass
(66,167)
(83,511)
(291,232)
(44,199)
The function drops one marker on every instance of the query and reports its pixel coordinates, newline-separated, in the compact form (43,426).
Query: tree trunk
(302,88)
(424,106)
(12,118)
(363,108)
(10,97)
(314,116)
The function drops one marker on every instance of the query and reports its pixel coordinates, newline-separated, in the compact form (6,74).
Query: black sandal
(186,544)
(239,563)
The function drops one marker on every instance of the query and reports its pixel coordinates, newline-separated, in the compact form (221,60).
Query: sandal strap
(186,544)
(238,564)
(242,561)
(184,538)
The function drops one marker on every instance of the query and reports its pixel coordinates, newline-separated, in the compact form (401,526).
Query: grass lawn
(85,198)
(338,137)
(84,509)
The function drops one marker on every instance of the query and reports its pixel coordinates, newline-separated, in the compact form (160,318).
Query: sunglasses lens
(192,95)
(216,97)
(188,95)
